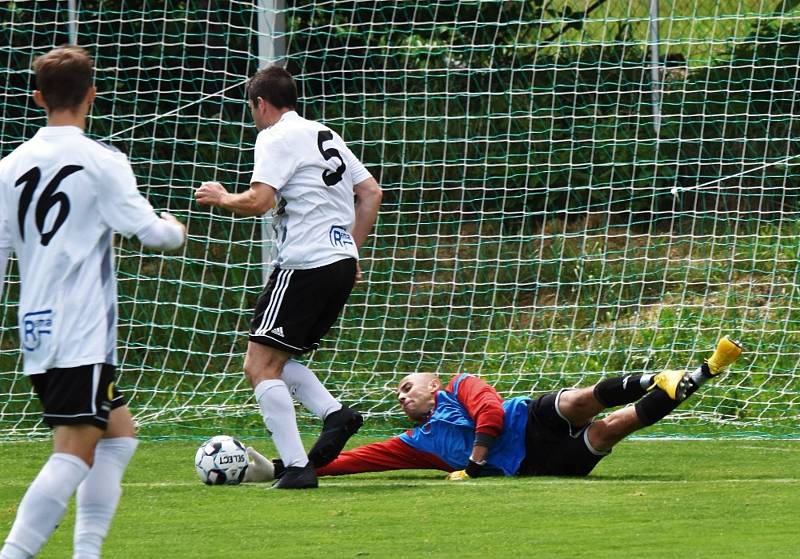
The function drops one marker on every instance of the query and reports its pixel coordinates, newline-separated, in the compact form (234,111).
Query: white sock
(277,409)
(10,551)
(98,495)
(44,504)
(306,388)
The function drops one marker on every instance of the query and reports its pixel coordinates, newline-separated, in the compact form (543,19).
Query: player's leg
(306,388)
(681,384)
(674,387)
(304,328)
(555,443)
(99,493)
(300,330)
(76,406)
(45,502)
(579,406)
(272,342)
(339,422)
(557,440)
(342,423)
(263,367)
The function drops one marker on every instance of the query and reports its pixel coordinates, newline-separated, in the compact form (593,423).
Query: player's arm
(368,200)
(124,209)
(485,406)
(257,200)
(273,165)
(166,233)
(391,454)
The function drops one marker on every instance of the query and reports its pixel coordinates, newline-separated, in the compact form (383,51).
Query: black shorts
(553,446)
(78,395)
(298,307)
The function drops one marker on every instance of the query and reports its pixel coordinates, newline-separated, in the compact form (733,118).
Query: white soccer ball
(221,460)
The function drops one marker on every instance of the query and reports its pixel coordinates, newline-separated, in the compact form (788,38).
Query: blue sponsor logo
(340,237)
(35,325)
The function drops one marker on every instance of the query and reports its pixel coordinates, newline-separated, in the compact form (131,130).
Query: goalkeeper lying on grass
(467,429)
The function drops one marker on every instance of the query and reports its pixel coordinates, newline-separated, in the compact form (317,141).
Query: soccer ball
(221,460)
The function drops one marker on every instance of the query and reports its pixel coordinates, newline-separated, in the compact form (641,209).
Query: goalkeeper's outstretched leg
(653,397)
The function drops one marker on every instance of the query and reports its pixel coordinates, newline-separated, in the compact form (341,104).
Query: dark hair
(274,85)
(63,76)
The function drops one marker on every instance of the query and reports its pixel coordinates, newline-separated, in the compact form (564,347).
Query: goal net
(573,189)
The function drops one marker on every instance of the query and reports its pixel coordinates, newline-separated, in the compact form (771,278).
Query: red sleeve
(391,454)
(483,403)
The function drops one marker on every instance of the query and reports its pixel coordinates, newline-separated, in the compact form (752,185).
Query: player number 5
(47,201)
(330,177)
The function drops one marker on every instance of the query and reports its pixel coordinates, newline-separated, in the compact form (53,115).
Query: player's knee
(85,454)
(605,433)
(255,371)
(578,405)
(120,424)
(250,372)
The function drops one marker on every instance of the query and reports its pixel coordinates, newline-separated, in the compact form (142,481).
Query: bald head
(417,394)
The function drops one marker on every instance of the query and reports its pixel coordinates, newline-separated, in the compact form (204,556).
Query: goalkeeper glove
(472,471)
(259,468)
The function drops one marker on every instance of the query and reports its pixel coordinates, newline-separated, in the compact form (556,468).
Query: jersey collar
(59,131)
(290,115)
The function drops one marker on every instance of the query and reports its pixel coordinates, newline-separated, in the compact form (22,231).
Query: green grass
(651,499)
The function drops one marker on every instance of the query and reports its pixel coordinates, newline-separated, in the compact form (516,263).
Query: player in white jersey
(61,197)
(309,177)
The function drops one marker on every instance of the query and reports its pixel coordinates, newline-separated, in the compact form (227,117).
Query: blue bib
(450,433)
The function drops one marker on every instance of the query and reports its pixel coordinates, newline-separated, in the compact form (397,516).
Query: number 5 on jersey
(47,200)
(330,177)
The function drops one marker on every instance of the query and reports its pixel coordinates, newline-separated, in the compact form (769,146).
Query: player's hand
(458,475)
(359,275)
(472,471)
(168,217)
(210,194)
(259,468)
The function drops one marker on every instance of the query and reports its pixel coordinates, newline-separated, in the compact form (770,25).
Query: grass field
(662,498)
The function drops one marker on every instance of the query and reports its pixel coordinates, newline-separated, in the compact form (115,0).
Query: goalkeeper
(468,430)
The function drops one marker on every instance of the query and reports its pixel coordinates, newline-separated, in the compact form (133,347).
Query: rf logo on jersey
(339,236)
(35,325)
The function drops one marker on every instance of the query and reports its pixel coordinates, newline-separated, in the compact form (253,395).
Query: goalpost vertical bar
(271,27)
(72,22)
(655,64)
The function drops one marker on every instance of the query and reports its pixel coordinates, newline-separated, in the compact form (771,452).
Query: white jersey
(61,196)
(313,172)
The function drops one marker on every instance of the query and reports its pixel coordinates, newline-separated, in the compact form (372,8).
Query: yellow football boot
(726,353)
(675,383)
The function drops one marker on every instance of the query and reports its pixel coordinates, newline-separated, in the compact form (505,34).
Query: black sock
(617,391)
(654,406)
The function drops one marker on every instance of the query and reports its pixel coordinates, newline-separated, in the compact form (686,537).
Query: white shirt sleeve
(161,235)
(274,164)
(357,169)
(123,208)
